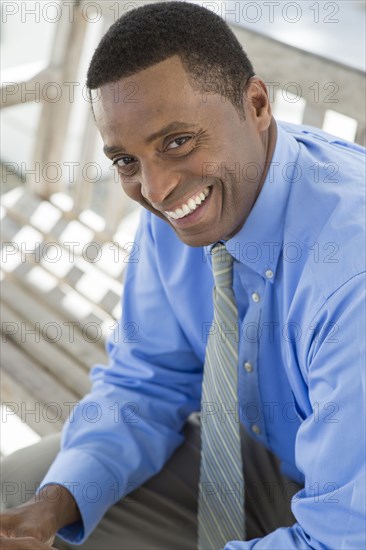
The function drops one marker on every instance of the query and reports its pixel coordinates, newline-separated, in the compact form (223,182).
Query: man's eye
(179,141)
(123,161)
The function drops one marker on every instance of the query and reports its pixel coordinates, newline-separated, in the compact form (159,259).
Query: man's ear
(257,102)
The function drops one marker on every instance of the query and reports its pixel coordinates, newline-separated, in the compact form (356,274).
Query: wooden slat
(54,121)
(33,310)
(12,93)
(22,209)
(313,115)
(312,73)
(30,388)
(81,276)
(62,298)
(64,369)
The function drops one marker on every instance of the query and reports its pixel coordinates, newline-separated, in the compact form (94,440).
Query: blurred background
(67,228)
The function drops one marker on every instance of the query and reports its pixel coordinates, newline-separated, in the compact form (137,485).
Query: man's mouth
(189,206)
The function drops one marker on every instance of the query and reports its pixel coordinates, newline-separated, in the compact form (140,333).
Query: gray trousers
(162,513)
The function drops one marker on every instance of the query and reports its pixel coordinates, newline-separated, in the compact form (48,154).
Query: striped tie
(221,489)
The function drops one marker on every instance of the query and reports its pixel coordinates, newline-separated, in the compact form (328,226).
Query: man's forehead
(151,112)
(152,98)
(147,95)
(162,77)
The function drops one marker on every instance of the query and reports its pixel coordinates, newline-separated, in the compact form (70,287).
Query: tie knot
(222,266)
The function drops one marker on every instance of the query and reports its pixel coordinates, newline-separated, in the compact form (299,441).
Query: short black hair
(208,49)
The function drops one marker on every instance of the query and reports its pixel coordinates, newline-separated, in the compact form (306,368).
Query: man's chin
(195,240)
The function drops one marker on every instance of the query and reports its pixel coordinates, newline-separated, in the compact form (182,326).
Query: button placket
(254,287)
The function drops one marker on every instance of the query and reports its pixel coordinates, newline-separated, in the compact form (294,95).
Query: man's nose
(157,183)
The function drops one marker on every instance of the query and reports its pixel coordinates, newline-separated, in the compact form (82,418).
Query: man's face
(185,155)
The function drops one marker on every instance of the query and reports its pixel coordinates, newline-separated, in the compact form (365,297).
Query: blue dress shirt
(298,281)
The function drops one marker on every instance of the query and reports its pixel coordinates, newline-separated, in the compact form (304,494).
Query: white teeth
(190,206)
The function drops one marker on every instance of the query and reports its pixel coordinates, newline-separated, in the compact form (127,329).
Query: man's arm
(330,444)
(124,431)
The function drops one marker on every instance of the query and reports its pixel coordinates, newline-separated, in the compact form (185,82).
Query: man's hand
(27,521)
(22,543)
(40,518)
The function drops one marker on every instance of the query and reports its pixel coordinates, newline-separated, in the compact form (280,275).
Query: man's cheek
(132,189)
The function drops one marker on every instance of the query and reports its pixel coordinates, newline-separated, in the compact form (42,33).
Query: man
(267,215)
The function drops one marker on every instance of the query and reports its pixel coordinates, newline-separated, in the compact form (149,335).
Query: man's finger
(4,524)
(22,543)
(5,531)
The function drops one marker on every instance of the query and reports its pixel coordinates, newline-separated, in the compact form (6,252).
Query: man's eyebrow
(172,127)
(109,150)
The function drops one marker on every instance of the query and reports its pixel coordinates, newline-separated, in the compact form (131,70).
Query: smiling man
(191,143)
(234,415)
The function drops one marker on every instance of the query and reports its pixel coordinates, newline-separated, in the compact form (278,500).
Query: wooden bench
(61,290)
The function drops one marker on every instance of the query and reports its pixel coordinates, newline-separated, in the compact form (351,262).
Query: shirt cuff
(94,494)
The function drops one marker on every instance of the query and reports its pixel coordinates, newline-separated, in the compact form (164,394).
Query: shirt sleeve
(126,428)
(330,444)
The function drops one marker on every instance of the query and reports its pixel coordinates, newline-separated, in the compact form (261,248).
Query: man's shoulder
(308,135)
(329,183)
(324,222)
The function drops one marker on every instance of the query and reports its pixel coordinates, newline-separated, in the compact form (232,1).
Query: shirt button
(255,297)
(269,273)
(256,429)
(248,366)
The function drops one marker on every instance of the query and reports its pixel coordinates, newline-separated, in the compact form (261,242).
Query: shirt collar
(259,242)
